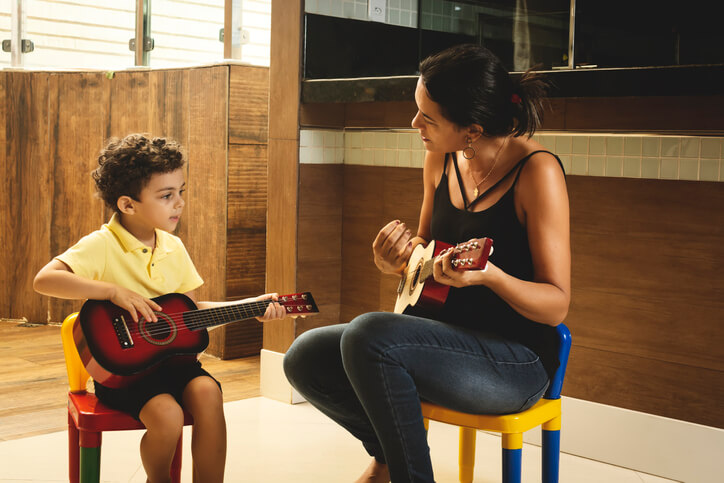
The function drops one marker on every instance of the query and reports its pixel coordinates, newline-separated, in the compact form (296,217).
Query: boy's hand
(134,303)
(274,311)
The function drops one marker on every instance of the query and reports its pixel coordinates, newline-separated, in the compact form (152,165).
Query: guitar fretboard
(203,318)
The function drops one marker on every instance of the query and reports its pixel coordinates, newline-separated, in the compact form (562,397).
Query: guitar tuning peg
(304,296)
(309,307)
(283,299)
(289,309)
(469,261)
(294,297)
(476,244)
(299,308)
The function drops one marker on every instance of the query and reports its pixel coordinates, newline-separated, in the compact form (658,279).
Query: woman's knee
(312,352)
(367,332)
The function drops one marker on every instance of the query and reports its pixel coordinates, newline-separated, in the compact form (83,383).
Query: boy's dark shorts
(171,380)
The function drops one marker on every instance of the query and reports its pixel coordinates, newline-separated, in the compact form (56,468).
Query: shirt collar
(131,243)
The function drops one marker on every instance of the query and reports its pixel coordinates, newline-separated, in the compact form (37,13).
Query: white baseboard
(660,446)
(273,382)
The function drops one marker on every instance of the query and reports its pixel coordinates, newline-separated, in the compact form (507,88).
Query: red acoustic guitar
(419,290)
(117,351)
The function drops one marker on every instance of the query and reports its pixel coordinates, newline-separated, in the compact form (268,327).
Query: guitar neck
(204,318)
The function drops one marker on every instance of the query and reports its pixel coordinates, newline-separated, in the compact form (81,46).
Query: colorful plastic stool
(545,413)
(88,418)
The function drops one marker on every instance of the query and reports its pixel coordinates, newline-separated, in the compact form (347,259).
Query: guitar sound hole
(162,332)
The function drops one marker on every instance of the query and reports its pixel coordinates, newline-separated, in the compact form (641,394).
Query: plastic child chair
(545,413)
(88,418)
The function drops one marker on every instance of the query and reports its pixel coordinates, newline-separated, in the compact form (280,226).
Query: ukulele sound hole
(162,332)
(416,278)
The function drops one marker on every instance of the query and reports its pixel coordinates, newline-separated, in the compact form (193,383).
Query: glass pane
(186,32)
(88,34)
(4,31)
(621,33)
(524,33)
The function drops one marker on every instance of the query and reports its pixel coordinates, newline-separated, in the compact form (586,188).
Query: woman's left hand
(274,311)
(443,272)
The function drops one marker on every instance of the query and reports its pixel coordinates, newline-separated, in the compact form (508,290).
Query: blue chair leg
(512,456)
(551,455)
(551,450)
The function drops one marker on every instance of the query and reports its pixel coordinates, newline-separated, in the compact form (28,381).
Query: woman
(492,348)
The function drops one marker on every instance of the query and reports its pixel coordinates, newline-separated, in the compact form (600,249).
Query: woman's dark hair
(472,86)
(125,166)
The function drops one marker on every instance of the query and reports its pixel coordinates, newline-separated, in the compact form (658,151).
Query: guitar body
(426,295)
(418,292)
(117,351)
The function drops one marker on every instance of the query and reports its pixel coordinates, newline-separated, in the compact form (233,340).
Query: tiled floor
(274,442)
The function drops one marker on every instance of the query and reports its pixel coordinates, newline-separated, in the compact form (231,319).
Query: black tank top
(478,307)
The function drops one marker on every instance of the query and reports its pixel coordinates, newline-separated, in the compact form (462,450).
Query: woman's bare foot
(376,472)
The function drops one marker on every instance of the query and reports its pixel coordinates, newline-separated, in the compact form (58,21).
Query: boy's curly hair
(125,166)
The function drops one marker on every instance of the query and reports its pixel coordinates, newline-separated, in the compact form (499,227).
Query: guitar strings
(192,319)
(200,318)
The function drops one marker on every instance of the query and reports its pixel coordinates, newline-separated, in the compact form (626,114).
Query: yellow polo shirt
(113,255)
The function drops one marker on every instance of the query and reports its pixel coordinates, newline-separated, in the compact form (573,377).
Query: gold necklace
(495,161)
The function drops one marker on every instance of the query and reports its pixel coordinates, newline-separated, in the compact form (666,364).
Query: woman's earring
(468,150)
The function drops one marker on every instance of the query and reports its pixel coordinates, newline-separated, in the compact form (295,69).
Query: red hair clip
(515,99)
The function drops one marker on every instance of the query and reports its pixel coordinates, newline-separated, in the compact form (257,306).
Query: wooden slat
(283,181)
(652,386)
(169,113)
(248,105)
(205,212)
(78,133)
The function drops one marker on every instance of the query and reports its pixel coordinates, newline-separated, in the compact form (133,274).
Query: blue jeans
(371,374)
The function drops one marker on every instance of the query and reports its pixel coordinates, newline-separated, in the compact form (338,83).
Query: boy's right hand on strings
(134,303)
(392,247)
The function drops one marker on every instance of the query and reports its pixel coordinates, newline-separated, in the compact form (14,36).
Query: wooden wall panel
(248,105)
(247,198)
(7,178)
(611,114)
(33,244)
(205,228)
(319,268)
(283,181)
(168,109)
(647,288)
(58,122)
(79,129)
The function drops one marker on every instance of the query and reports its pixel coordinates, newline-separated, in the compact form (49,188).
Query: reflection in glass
(523,33)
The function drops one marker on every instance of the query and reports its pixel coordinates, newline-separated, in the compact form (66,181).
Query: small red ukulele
(116,351)
(417,287)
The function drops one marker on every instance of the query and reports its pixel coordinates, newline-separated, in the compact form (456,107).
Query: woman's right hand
(134,303)
(392,247)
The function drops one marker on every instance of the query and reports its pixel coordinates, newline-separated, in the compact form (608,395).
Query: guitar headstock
(473,254)
(299,304)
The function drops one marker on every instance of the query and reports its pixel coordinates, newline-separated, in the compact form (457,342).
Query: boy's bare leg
(376,472)
(203,399)
(164,421)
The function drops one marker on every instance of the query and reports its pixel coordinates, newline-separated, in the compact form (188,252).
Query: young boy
(128,261)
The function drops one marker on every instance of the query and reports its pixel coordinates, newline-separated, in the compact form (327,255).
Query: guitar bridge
(122,332)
